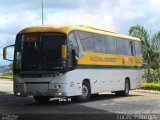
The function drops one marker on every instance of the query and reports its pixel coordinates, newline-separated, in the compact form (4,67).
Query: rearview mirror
(4,53)
(64,51)
(8,57)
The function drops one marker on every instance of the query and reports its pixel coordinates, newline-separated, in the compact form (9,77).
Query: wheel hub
(84,91)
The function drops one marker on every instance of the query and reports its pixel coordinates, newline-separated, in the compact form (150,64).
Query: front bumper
(36,89)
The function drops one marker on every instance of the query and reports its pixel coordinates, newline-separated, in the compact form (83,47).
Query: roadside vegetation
(9,73)
(151,86)
(6,77)
(150,52)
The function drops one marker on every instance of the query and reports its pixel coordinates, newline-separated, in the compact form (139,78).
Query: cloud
(80,18)
(5,62)
(117,15)
(155,4)
(11,23)
(21,5)
(3,41)
(131,15)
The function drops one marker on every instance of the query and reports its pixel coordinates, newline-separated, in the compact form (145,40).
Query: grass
(151,86)
(6,77)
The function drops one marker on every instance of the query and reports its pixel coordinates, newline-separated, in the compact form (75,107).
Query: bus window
(125,46)
(131,49)
(100,41)
(86,40)
(88,44)
(73,51)
(138,48)
(84,35)
(72,38)
(111,45)
(121,46)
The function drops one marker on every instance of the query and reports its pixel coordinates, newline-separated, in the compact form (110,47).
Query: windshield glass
(38,52)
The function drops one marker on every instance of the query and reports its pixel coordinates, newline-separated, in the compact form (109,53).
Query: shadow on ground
(27,109)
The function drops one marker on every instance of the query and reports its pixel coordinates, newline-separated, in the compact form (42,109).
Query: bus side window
(74,44)
(125,50)
(111,45)
(100,42)
(125,47)
(138,48)
(86,39)
(120,46)
(73,50)
(132,47)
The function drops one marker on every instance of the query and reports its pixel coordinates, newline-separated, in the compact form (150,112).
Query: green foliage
(153,86)
(6,77)
(10,70)
(155,75)
(9,73)
(150,50)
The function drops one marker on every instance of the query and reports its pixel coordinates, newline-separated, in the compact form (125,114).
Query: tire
(125,92)
(86,92)
(41,99)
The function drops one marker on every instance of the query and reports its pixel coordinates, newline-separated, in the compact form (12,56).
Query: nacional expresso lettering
(102,59)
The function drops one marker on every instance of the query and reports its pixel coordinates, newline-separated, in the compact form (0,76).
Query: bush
(155,75)
(152,86)
(6,77)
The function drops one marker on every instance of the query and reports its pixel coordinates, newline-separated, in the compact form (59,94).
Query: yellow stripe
(109,59)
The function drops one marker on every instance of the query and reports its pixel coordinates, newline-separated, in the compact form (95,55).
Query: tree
(150,46)
(9,69)
(156,43)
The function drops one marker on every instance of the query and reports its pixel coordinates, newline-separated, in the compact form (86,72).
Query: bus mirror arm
(68,43)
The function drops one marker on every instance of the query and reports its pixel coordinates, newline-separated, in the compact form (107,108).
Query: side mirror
(5,53)
(64,52)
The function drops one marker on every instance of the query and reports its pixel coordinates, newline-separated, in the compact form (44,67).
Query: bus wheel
(125,92)
(86,92)
(41,99)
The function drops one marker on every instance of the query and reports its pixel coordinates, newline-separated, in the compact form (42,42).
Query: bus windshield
(38,51)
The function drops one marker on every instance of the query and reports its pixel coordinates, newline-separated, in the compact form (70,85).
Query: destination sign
(29,38)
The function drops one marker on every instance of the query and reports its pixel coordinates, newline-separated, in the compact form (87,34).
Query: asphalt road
(135,103)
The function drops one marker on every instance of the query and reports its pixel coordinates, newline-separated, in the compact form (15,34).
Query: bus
(74,61)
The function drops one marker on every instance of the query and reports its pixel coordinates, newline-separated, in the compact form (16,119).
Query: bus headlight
(59,93)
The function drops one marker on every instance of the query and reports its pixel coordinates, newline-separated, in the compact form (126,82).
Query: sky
(117,15)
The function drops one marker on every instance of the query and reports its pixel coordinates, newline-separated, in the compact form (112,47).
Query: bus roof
(68,28)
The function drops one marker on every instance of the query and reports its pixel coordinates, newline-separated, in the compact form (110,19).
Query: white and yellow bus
(74,60)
